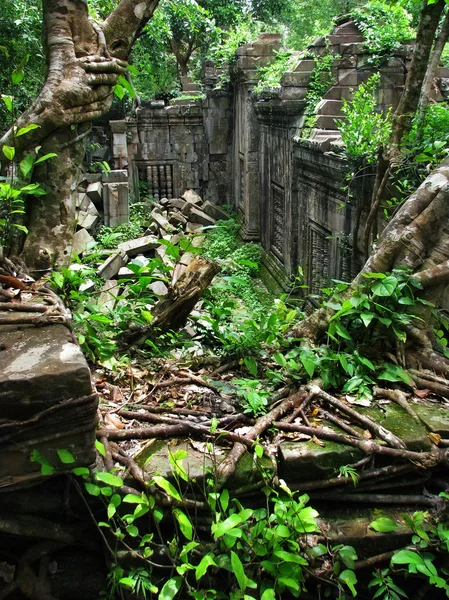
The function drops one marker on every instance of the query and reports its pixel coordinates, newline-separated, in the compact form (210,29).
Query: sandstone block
(112,265)
(140,245)
(198,216)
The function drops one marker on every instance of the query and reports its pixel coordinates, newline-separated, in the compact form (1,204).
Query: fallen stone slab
(95,192)
(46,402)
(87,220)
(139,245)
(163,223)
(191,197)
(108,296)
(177,218)
(112,265)
(178,203)
(194,227)
(81,241)
(159,288)
(214,211)
(198,216)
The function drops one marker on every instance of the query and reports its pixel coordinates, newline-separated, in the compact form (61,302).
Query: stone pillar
(116,203)
(246,155)
(119,144)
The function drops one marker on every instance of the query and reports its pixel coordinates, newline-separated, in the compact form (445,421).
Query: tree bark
(84,62)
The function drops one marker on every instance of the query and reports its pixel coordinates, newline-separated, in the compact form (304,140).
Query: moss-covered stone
(308,461)
(395,419)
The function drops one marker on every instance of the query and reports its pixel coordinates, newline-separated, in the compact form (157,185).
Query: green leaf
(24,130)
(81,471)
(17,76)
(406,557)
(65,457)
(170,588)
(98,445)
(119,91)
(133,499)
(109,479)
(206,562)
(147,316)
(268,594)
(219,529)
(27,164)
(132,530)
(342,331)
(290,583)
(401,335)
(9,152)
(128,87)
(184,523)
(367,318)
(19,227)
(42,159)
(280,359)
(167,487)
(348,555)
(128,582)
(8,100)
(112,509)
(289,557)
(350,579)
(374,275)
(251,365)
(239,571)
(385,287)
(92,489)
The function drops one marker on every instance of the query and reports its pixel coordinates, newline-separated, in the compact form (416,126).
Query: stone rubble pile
(172,221)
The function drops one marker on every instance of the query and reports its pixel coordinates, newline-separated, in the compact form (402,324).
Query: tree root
(227,467)
(374,427)
(399,397)
(370,498)
(432,458)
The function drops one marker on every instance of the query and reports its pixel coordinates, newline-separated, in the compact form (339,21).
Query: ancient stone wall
(284,176)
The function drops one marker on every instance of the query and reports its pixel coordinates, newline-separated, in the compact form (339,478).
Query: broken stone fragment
(157,209)
(108,296)
(198,216)
(197,241)
(177,218)
(178,203)
(87,286)
(95,192)
(191,197)
(81,241)
(159,288)
(112,265)
(139,245)
(214,211)
(163,223)
(86,220)
(187,258)
(194,227)
(82,201)
(177,272)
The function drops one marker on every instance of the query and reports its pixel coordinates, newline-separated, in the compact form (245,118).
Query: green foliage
(271,75)
(385,27)
(20,52)
(320,81)
(364,131)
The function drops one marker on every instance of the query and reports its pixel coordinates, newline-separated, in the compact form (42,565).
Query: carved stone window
(160,181)
(319,252)
(277,220)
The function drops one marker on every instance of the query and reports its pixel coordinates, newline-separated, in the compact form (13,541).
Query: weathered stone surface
(191,197)
(116,204)
(108,296)
(163,223)
(214,211)
(38,368)
(81,241)
(308,461)
(112,265)
(87,220)
(95,192)
(134,247)
(198,216)
(159,288)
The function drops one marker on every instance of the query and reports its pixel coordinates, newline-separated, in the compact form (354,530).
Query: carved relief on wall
(160,181)
(242,181)
(278,220)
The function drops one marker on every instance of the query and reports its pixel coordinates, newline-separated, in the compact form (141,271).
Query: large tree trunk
(84,62)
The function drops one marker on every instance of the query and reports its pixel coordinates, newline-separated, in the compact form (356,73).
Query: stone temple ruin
(231,147)
(255,152)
